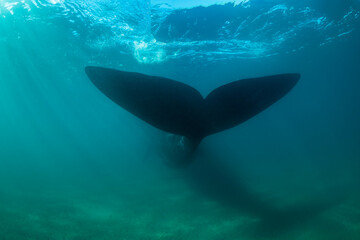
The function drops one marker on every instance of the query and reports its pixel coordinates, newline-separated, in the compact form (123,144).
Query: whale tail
(177,108)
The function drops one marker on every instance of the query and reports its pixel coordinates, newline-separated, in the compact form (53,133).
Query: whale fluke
(231,104)
(179,109)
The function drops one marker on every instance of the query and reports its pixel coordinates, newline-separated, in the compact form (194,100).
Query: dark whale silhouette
(179,109)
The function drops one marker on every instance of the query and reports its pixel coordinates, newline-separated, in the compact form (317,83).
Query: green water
(74,165)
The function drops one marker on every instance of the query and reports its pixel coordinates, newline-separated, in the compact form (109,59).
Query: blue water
(74,165)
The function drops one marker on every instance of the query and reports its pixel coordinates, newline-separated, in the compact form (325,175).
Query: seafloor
(154,211)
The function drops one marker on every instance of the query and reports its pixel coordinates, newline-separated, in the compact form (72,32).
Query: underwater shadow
(284,220)
(218,182)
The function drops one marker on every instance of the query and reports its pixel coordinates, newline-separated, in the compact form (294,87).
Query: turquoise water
(74,165)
